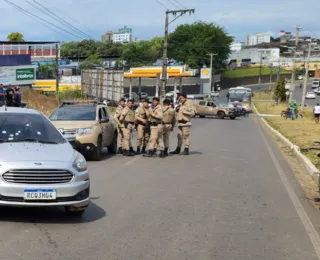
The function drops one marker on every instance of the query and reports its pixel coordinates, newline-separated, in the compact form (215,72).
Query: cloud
(146,17)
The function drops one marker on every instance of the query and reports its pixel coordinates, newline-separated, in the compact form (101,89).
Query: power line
(25,11)
(70,18)
(162,5)
(33,5)
(175,5)
(63,21)
(179,3)
(18,8)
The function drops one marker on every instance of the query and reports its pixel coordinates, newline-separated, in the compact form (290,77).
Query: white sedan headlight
(84,131)
(80,163)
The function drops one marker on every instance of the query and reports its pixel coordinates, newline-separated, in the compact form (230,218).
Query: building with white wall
(123,35)
(257,38)
(254,54)
(236,46)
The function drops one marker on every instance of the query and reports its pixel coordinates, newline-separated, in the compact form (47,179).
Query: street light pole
(210,80)
(305,81)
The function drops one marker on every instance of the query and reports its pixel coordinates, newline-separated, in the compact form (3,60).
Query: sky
(91,18)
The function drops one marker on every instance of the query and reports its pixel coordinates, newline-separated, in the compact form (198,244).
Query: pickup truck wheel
(202,116)
(221,114)
(112,148)
(96,154)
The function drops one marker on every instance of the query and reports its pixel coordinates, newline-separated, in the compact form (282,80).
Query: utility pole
(57,69)
(260,71)
(305,81)
(210,81)
(270,81)
(278,70)
(292,88)
(165,46)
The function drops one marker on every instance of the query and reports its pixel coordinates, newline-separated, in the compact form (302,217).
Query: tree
(280,91)
(15,37)
(190,43)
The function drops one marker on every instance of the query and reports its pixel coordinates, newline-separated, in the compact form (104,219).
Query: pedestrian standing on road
(2,95)
(184,115)
(155,121)
(169,121)
(117,115)
(316,112)
(143,129)
(127,124)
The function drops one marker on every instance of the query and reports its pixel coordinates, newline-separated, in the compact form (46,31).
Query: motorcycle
(288,114)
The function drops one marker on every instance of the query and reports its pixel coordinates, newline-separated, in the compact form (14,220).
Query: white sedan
(310,95)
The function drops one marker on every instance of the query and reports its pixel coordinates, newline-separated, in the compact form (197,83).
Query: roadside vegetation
(251,72)
(47,103)
(303,132)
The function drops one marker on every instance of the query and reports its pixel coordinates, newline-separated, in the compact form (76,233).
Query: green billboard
(25,74)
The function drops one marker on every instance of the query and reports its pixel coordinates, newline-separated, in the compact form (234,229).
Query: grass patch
(262,95)
(47,103)
(251,72)
(269,107)
(37,101)
(302,132)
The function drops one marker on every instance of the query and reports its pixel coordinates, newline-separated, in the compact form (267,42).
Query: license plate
(40,194)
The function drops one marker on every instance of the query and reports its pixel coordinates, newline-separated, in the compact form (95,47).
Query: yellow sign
(205,72)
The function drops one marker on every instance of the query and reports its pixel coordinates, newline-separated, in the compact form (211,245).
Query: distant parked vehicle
(316,83)
(143,95)
(310,95)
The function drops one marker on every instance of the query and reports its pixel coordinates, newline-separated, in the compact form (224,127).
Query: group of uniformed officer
(153,126)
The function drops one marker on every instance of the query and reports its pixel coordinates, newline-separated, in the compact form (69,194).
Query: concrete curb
(312,170)
(262,115)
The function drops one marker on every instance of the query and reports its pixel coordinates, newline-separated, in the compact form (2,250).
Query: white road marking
(132,161)
(310,229)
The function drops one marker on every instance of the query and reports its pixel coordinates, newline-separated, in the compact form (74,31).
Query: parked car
(90,122)
(310,95)
(39,167)
(143,95)
(315,83)
(134,96)
(215,93)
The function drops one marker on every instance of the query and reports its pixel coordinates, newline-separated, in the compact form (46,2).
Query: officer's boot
(150,153)
(143,151)
(162,155)
(176,151)
(186,151)
(120,151)
(127,153)
(155,151)
(138,150)
(166,152)
(132,151)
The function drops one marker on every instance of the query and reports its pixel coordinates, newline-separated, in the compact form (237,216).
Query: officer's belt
(154,123)
(166,123)
(129,122)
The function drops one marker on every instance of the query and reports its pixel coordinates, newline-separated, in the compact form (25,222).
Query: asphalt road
(232,198)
